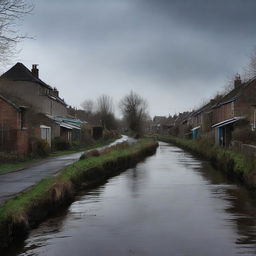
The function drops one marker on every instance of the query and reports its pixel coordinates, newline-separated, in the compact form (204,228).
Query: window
(46,133)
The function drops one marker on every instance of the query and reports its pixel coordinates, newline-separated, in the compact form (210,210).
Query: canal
(170,204)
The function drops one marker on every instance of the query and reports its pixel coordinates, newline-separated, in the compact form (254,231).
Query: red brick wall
(10,120)
(243,106)
(9,116)
(22,142)
(223,113)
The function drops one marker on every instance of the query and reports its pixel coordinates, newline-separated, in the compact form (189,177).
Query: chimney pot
(55,92)
(237,81)
(35,70)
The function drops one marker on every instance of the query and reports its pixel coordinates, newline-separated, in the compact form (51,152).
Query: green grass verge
(19,165)
(21,204)
(98,143)
(242,165)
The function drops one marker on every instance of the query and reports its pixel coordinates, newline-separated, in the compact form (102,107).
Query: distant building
(162,124)
(201,120)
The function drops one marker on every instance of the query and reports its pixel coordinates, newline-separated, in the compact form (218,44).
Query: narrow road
(13,183)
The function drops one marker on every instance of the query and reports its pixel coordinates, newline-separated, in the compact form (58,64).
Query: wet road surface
(16,182)
(171,204)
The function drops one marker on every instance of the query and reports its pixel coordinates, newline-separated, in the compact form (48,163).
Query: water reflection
(172,204)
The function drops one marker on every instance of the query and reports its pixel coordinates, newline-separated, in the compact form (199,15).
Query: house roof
(204,108)
(19,72)
(71,123)
(17,107)
(231,96)
(159,119)
(235,93)
(228,121)
(186,116)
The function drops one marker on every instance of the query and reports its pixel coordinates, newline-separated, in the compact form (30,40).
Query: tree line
(133,107)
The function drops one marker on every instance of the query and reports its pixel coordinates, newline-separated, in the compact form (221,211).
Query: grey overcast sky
(174,53)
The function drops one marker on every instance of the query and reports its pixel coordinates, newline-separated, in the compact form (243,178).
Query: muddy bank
(27,210)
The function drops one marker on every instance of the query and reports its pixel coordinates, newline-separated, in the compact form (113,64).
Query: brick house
(22,83)
(158,122)
(43,104)
(180,125)
(201,119)
(237,105)
(13,132)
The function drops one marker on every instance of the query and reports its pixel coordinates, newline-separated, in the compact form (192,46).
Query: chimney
(35,70)
(237,81)
(55,92)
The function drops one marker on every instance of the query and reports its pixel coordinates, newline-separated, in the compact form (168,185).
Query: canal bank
(28,209)
(172,203)
(235,164)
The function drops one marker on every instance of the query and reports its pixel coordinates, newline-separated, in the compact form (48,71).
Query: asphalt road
(15,182)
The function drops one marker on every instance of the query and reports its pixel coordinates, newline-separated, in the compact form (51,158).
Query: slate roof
(205,108)
(235,93)
(186,116)
(231,96)
(19,72)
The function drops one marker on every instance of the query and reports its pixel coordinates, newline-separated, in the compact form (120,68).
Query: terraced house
(44,112)
(239,104)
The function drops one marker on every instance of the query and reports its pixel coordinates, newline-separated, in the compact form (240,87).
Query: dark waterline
(172,204)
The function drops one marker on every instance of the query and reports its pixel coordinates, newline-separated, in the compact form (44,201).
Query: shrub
(42,148)
(59,143)
(110,134)
(244,135)
(90,153)
(87,139)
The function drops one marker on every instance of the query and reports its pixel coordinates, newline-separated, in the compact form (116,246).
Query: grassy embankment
(233,163)
(28,209)
(20,164)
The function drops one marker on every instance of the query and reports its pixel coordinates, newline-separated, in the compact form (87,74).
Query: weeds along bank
(233,163)
(28,209)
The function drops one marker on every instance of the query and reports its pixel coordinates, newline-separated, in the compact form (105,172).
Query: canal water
(171,204)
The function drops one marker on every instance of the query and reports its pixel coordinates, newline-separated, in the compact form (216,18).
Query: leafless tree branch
(11,14)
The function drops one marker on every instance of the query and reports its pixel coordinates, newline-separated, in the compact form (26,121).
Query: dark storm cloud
(164,46)
(232,16)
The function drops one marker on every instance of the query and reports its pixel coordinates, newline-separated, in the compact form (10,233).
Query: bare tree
(252,64)
(105,104)
(11,13)
(88,106)
(105,109)
(249,71)
(134,110)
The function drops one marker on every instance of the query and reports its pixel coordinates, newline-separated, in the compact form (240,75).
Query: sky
(174,53)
